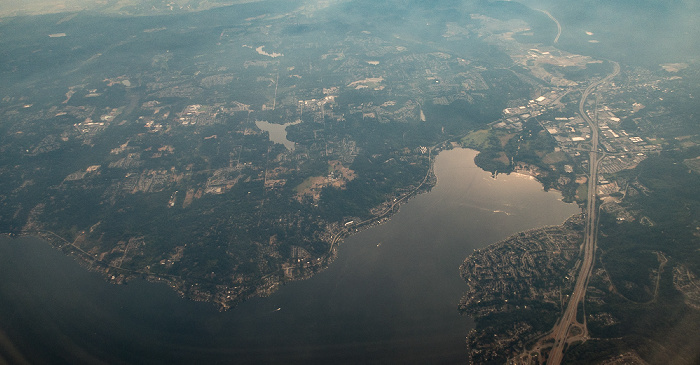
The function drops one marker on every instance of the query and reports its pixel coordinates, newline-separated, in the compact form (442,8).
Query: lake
(390,297)
(277,132)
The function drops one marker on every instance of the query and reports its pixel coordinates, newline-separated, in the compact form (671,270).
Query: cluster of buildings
(198,114)
(514,117)
(622,149)
(525,266)
(530,268)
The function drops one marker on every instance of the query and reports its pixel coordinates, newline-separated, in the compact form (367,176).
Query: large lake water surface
(390,297)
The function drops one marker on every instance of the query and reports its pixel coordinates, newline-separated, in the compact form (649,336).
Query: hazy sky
(34,7)
(652,31)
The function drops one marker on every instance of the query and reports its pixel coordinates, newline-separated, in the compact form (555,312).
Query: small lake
(277,132)
(390,297)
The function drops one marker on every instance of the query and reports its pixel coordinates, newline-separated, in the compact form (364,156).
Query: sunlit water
(390,297)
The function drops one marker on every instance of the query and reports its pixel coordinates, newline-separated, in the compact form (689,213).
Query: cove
(390,297)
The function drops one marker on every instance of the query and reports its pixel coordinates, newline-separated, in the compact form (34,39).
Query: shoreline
(224,297)
(265,285)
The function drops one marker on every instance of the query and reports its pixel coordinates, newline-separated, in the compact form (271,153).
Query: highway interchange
(562,331)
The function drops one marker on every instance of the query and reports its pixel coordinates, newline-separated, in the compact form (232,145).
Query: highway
(568,320)
(556,39)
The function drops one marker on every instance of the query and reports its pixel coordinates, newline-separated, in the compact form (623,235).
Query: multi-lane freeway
(562,330)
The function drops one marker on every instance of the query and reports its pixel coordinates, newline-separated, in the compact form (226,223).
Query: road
(556,39)
(344,232)
(562,329)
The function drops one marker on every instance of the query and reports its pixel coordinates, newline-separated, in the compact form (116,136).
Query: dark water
(390,297)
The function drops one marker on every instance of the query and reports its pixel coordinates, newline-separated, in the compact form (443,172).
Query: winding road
(556,39)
